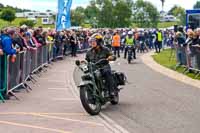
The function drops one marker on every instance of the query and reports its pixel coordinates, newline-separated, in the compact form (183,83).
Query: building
(35,14)
(168,18)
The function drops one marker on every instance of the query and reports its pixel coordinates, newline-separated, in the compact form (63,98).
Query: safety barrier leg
(32,79)
(197,75)
(1,97)
(5,79)
(13,94)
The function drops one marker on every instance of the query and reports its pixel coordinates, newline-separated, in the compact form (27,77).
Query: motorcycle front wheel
(115,99)
(91,104)
(129,60)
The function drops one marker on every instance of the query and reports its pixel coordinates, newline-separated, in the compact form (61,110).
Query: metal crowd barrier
(181,56)
(59,51)
(3,76)
(44,54)
(26,65)
(189,58)
(14,74)
(50,52)
(39,57)
(33,58)
(194,60)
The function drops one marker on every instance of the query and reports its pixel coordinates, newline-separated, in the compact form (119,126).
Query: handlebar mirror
(77,62)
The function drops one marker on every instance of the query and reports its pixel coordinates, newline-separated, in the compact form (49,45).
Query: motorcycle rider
(130,42)
(98,52)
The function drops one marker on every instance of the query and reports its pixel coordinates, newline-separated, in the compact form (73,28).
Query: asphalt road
(152,102)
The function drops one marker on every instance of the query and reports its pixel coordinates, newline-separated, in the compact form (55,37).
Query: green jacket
(129,41)
(95,55)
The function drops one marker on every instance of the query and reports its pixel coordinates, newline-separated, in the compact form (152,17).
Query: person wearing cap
(29,41)
(116,44)
(98,52)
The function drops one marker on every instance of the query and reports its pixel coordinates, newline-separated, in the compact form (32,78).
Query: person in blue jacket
(7,43)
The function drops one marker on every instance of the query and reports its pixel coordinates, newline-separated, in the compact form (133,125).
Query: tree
(178,12)
(106,17)
(114,13)
(77,16)
(29,23)
(122,12)
(1,5)
(8,14)
(163,2)
(145,14)
(197,5)
(92,14)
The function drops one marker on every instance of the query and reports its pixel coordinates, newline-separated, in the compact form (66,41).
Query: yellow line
(46,115)
(67,119)
(24,113)
(31,126)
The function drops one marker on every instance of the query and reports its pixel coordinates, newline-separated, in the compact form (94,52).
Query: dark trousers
(126,50)
(109,46)
(158,46)
(65,49)
(107,74)
(116,51)
(74,49)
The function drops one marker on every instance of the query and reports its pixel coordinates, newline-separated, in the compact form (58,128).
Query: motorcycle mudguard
(85,83)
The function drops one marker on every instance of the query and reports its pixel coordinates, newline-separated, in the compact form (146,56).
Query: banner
(63,16)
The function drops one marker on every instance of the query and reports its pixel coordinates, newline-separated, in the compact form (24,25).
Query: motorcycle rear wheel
(93,107)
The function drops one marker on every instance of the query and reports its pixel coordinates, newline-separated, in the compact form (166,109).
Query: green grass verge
(166,24)
(165,59)
(18,20)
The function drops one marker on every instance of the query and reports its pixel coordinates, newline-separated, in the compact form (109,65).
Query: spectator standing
(116,44)
(73,43)
(158,43)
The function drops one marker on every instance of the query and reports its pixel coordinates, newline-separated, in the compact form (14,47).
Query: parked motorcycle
(93,91)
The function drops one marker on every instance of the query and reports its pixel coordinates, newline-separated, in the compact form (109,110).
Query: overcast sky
(43,5)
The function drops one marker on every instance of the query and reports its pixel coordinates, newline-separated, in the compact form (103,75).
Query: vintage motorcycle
(93,91)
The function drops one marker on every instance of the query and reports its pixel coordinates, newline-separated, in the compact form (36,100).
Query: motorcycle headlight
(84,68)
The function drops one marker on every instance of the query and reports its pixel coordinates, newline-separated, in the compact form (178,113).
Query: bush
(29,23)
(8,14)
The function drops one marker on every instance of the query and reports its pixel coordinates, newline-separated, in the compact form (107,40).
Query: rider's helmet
(130,33)
(96,37)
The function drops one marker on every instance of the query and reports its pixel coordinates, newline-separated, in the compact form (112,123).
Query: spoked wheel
(129,60)
(91,104)
(115,99)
